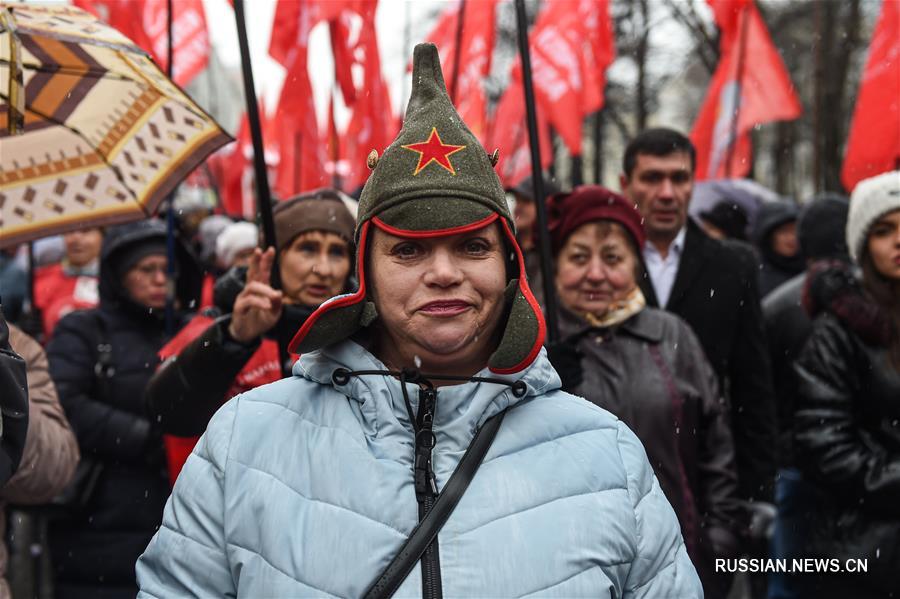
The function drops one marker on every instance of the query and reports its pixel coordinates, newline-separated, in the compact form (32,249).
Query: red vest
(56,294)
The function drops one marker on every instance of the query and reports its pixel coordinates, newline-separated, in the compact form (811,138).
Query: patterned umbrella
(91,131)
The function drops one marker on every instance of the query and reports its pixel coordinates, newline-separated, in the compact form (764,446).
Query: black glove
(566,359)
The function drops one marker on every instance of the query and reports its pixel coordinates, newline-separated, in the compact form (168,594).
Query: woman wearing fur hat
(246,348)
(310,486)
(645,366)
(846,436)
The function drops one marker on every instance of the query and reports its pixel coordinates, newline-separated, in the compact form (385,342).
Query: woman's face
(145,282)
(595,269)
(82,247)
(884,245)
(439,299)
(314,267)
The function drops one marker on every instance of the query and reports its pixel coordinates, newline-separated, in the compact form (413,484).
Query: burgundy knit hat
(586,203)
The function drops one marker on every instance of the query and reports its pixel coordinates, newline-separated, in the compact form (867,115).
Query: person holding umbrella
(311,485)
(101,360)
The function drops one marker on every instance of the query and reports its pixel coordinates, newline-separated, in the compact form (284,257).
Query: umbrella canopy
(92,132)
(745,193)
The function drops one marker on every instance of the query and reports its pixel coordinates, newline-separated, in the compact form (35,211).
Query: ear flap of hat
(525,328)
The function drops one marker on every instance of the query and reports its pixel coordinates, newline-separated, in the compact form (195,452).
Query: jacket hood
(460,409)
(121,239)
(770,216)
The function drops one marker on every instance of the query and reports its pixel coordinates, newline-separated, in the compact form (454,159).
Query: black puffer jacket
(185,393)
(847,441)
(94,548)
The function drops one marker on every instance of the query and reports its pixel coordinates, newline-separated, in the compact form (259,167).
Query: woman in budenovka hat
(645,366)
(311,485)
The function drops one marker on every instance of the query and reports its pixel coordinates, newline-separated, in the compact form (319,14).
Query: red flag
(873,146)
(295,131)
(232,167)
(510,135)
(570,51)
(338,28)
(372,125)
(475,52)
(145,23)
(751,80)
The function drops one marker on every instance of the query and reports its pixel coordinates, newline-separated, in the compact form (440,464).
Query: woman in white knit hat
(847,415)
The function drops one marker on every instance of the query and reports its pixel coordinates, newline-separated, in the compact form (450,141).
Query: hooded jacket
(94,548)
(774,268)
(304,488)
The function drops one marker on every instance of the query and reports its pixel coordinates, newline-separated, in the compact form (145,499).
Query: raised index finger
(263,272)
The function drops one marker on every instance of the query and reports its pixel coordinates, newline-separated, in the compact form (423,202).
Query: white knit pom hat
(871,199)
(235,238)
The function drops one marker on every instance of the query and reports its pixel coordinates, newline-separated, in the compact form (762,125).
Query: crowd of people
(751,364)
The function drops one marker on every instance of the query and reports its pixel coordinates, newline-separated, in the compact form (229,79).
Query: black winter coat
(715,292)
(94,549)
(185,393)
(787,329)
(651,373)
(847,441)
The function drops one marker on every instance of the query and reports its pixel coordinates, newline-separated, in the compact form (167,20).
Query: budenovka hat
(434,180)
(587,203)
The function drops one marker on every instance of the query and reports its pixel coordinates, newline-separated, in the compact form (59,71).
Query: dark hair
(658,141)
(886,293)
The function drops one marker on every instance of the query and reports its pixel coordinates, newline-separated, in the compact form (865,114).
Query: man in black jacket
(713,286)
(13,405)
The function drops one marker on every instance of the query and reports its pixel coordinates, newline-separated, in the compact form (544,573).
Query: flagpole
(457,50)
(735,114)
(170,212)
(261,178)
(537,176)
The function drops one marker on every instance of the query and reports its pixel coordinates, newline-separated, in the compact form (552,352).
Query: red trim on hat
(437,232)
(526,291)
(347,300)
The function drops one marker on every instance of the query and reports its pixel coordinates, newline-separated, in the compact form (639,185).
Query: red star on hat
(434,150)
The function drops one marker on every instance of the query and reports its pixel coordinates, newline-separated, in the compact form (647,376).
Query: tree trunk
(783,158)
(641,58)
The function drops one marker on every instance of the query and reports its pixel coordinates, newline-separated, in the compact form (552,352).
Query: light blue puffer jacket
(302,488)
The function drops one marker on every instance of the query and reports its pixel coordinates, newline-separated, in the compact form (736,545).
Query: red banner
(145,23)
(873,146)
(750,86)
(465,84)
(372,125)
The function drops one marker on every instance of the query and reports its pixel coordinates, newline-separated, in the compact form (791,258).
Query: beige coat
(51,450)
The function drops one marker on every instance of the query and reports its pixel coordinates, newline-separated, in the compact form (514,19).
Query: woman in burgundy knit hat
(645,366)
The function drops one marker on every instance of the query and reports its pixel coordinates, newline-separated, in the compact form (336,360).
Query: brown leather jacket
(51,451)
(651,372)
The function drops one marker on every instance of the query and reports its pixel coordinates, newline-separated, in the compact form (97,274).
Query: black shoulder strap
(425,532)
